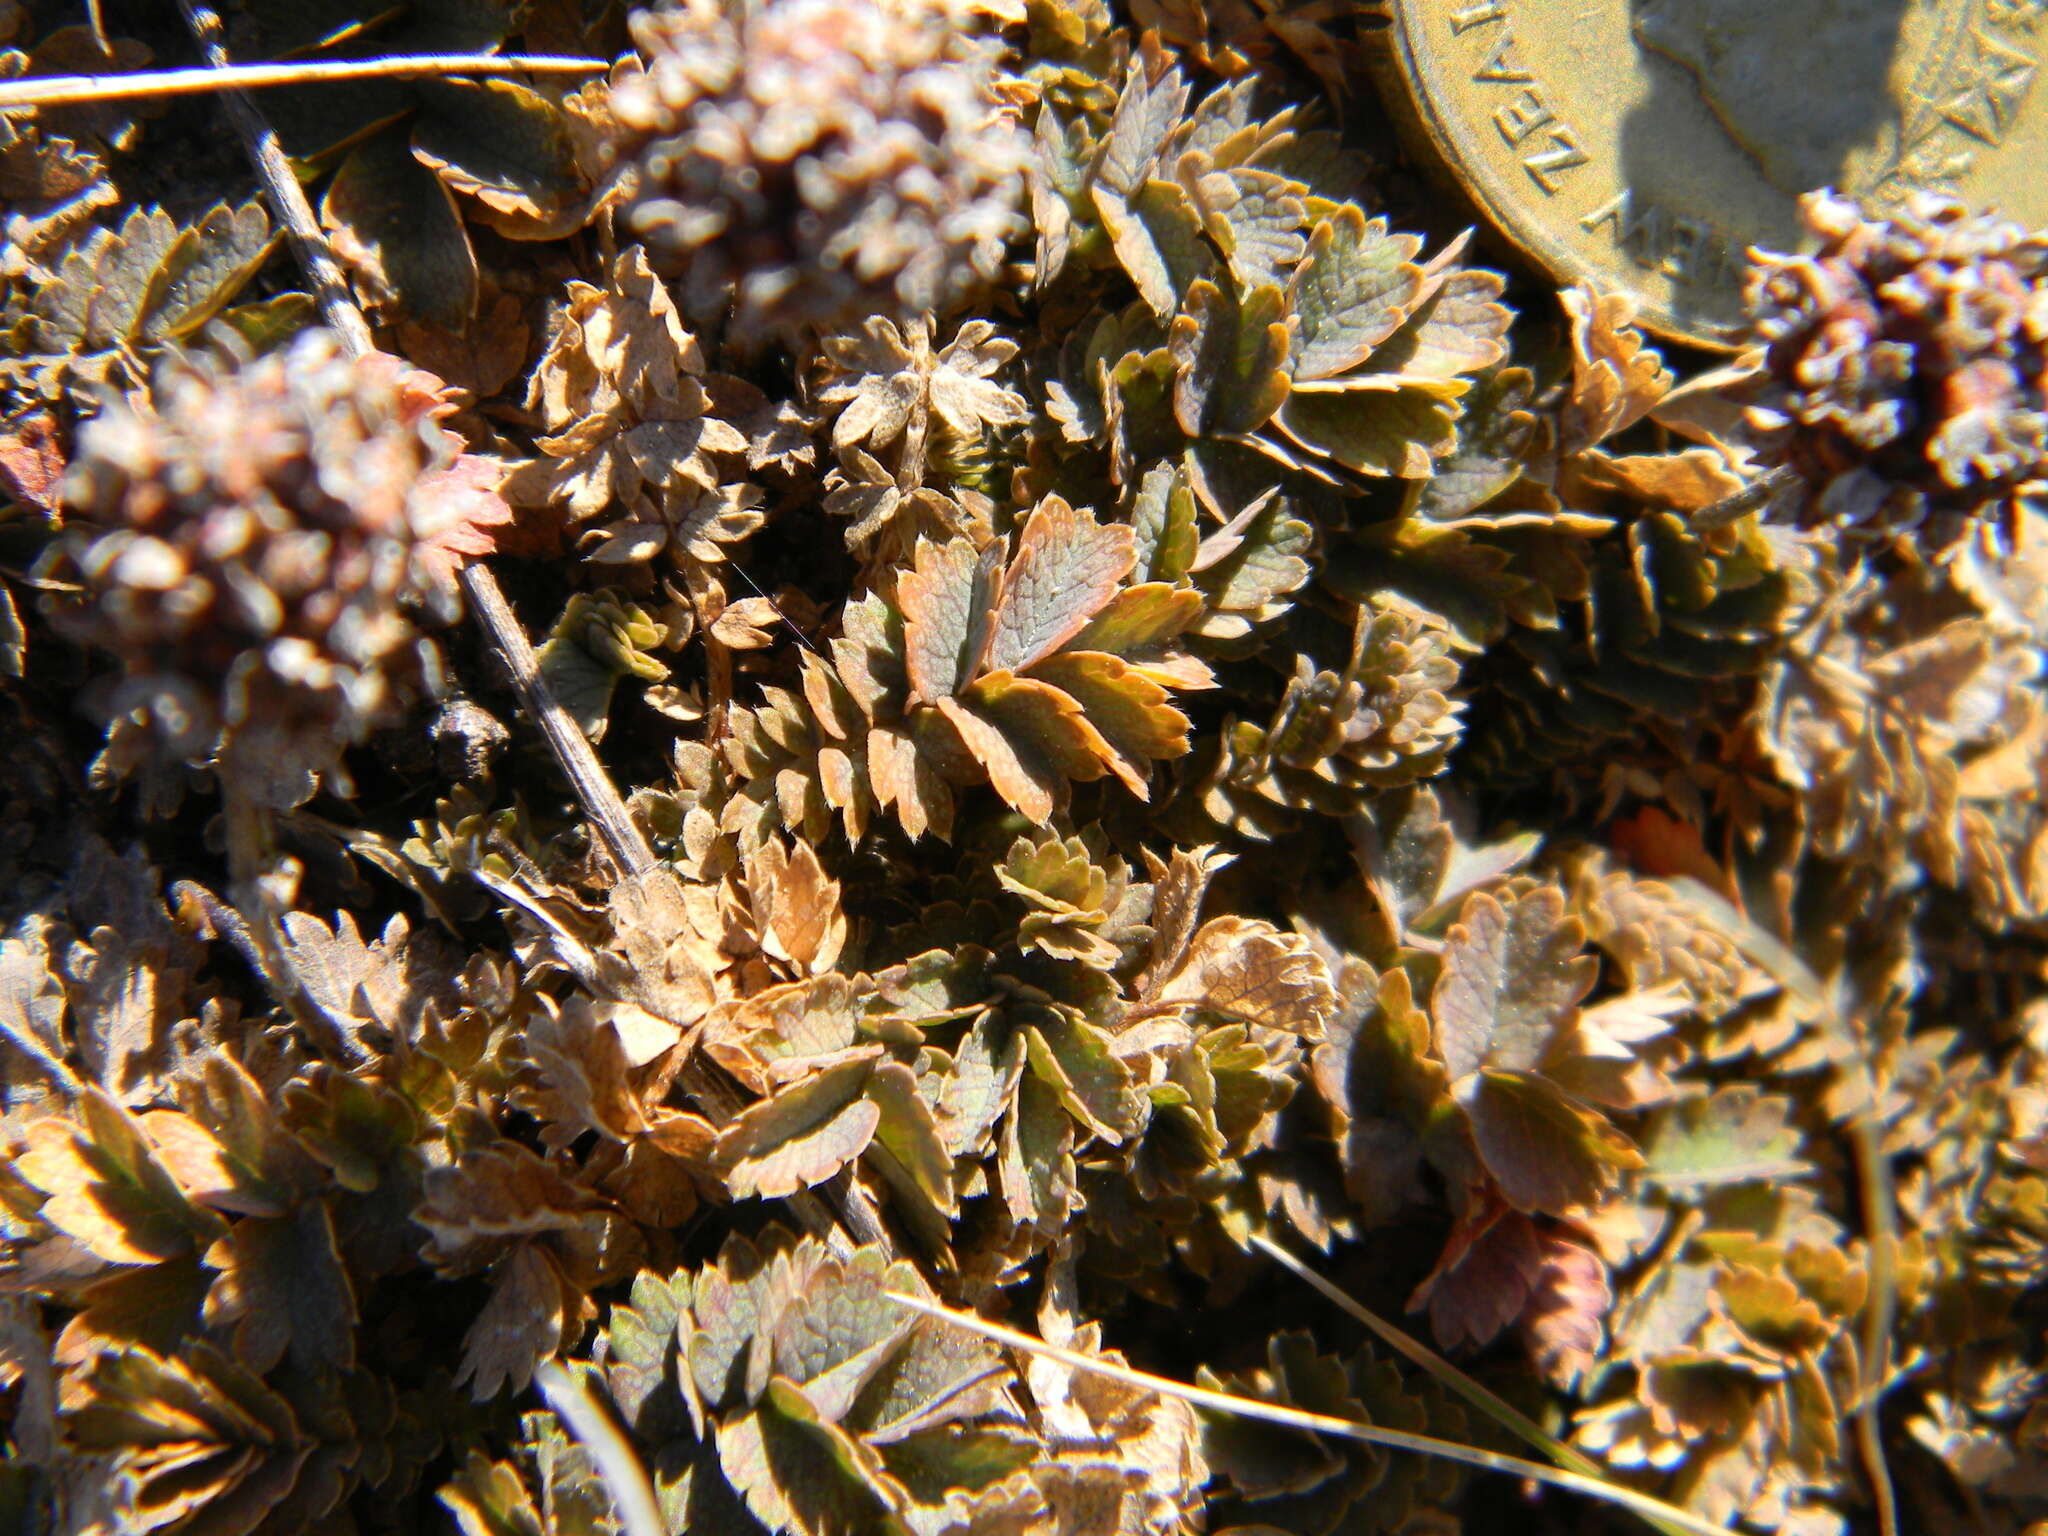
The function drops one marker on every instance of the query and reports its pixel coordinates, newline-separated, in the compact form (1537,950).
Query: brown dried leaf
(493,1199)
(533,1314)
(1616,377)
(1250,972)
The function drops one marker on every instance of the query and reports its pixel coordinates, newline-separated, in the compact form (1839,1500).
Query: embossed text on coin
(1645,144)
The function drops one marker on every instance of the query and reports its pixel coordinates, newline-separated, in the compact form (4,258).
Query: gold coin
(1645,145)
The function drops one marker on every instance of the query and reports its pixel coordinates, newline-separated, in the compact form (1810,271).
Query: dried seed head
(248,539)
(1906,362)
(825,159)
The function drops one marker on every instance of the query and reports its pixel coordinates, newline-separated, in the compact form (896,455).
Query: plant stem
(70,90)
(851,1216)
(338,310)
(622,839)
(1316,1423)
(618,1468)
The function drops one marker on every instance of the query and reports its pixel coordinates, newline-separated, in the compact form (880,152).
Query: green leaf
(597,641)
(1398,431)
(1211,131)
(572,1490)
(803,1135)
(1264,1461)
(1376,1070)
(731,1311)
(941,1465)
(799,1473)
(1158,238)
(1163,521)
(1419,862)
(284,1291)
(1035,1163)
(1139,620)
(642,1352)
(1029,737)
(1512,976)
(313,119)
(251,1163)
(909,1136)
(1230,359)
(395,225)
(831,1336)
(506,145)
(101,291)
(268,324)
(196,1433)
(939,1376)
(1146,112)
(204,269)
(979,1088)
(1255,218)
(1459,329)
(1073,1058)
(1459,582)
(1546,1152)
(1353,290)
(1140,409)
(794,1021)
(1737,1135)
(695,1495)
(1261,562)
(489,1498)
(155,1306)
(1493,441)
(1131,712)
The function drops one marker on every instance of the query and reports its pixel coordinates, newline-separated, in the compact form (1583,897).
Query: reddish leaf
(1565,1323)
(31,461)
(466,512)
(946,599)
(1067,566)
(1484,1280)
(1546,1152)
